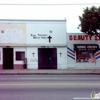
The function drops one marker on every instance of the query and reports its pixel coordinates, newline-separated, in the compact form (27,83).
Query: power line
(51,4)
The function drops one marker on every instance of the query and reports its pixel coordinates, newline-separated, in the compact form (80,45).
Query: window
(20,55)
(85,56)
(85,52)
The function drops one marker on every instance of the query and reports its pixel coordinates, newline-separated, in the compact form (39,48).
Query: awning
(86,47)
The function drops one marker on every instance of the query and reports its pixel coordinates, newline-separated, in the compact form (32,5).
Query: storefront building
(44,44)
(83,51)
(33,44)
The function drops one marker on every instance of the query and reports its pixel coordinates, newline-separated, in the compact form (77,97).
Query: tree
(90,21)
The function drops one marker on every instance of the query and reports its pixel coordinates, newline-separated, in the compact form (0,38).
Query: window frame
(18,56)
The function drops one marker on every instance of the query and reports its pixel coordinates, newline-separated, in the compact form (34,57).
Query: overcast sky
(70,12)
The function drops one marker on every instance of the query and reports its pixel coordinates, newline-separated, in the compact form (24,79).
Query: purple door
(7,58)
(47,58)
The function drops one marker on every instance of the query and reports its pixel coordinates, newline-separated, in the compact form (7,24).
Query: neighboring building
(83,51)
(41,42)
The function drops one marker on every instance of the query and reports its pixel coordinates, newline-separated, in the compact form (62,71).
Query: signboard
(42,36)
(85,47)
(83,37)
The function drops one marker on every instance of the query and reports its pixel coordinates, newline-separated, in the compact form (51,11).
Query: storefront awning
(86,47)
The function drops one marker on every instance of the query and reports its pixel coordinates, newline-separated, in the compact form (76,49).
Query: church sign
(41,36)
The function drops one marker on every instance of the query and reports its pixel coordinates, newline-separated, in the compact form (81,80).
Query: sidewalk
(51,72)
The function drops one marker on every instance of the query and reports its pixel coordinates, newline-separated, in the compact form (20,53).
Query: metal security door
(47,58)
(7,58)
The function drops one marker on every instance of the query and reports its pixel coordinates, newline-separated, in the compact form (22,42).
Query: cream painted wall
(12,33)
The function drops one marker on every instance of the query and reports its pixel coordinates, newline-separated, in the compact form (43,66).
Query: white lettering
(91,46)
(81,46)
(42,34)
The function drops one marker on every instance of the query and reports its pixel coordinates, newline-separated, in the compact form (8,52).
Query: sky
(59,11)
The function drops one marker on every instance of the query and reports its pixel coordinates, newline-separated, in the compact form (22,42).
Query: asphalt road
(48,87)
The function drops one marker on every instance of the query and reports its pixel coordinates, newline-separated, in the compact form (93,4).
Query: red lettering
(90,37)
(75,37)
(70,37)
(86,37)
(95,37)
(82,37)
(79,37)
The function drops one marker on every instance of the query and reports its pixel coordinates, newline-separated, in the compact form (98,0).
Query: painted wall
(38,33)
(32,61)
(27,36)
(32,57)
(71,54)
(12,33)
(35,32)
(61,58)
(18,64)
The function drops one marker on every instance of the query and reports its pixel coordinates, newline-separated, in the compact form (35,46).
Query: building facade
(34,44)
(83,51)
(44,44)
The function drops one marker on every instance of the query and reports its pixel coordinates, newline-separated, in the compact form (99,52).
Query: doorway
(7,58)
(47,58)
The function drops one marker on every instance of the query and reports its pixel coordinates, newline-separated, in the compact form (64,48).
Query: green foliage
(90,21)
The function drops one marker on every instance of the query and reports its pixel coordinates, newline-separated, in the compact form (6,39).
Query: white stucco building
(42,42)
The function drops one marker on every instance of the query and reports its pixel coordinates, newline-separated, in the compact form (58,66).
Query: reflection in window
(20,55)
(85,56)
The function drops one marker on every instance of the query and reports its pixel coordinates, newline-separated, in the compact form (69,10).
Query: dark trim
(86,47)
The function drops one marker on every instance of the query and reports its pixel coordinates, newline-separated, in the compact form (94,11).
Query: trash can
(25,63)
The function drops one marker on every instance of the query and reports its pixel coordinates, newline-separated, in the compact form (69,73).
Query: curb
(49,73)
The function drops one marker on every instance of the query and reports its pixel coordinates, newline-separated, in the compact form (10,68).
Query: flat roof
(31,20)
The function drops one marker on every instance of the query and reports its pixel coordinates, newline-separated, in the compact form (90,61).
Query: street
(48,87)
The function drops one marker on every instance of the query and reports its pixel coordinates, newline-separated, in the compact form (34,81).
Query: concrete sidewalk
(51,72)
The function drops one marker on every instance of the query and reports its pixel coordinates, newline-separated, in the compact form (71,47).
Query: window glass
(85,56)
(20,55)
